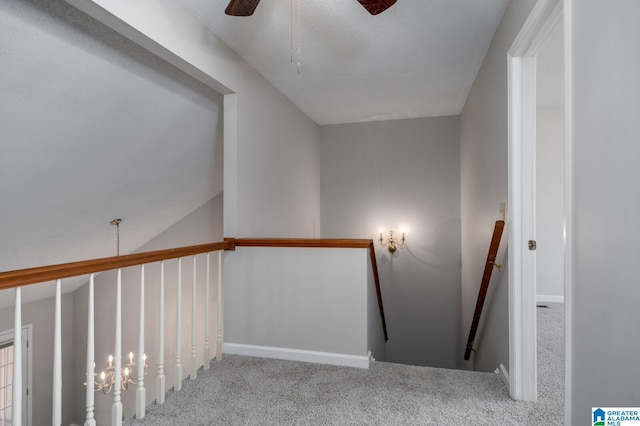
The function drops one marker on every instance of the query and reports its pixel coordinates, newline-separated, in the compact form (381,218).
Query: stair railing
(484,285)
(19,278)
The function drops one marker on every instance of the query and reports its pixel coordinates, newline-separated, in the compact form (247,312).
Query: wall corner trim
(345,360)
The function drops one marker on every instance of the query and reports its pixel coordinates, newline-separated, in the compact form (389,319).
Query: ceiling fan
(246,7)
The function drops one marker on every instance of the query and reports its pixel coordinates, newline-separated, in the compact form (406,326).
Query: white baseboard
(502,371)
(297,355)
(547,298)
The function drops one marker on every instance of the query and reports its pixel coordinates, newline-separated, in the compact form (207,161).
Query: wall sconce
(392,242)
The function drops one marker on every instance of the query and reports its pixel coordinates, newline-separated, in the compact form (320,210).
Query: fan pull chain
(291,32)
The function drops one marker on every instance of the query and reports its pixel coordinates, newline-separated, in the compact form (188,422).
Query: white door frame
(544,17)
(27,365)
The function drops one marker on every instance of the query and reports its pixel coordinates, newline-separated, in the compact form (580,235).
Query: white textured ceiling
(417,59)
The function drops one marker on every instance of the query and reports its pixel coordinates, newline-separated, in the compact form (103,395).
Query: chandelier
(107,378)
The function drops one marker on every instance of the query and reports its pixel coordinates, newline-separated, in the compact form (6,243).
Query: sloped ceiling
(417,59)
(94,128)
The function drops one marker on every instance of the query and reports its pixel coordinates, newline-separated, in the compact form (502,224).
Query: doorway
(549,221)
(544,18)
(6,375)
(549,169)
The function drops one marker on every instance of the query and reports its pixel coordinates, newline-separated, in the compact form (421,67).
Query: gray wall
(605,103)
(493,331)
(204,225)
(392,174)
(311,299)
(483,165)
(550,204)
(278,166)
(41,315)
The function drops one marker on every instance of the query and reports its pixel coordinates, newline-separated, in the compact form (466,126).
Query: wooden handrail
(484,285)
(321,243)
(17,278)
(299,242)
(42,274)
(376,279)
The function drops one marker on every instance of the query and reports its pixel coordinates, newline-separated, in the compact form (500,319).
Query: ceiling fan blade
(376,6)
(241,7)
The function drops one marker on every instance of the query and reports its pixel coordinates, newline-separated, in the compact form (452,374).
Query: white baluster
(16,420)
(56,417)
(207,302)
(194,367)
(178,379)
(116,408)
(219,303)
(140,392)
(160,381)
(90,419)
